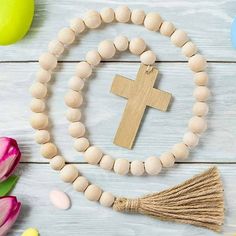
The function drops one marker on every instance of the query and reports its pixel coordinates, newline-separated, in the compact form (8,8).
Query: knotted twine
(198,201)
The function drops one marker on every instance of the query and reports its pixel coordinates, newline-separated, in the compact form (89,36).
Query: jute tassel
(198,201)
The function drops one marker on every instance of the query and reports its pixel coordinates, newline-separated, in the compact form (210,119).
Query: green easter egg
(15,19)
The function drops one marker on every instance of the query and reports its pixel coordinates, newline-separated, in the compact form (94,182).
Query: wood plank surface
(103,110)
(87,218)
(208,25)
(206,22)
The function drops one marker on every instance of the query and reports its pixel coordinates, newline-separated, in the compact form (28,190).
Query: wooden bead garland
(153,165)
(74,99)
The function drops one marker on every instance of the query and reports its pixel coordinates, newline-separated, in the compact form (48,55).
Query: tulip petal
(4,145)
(6,205)
(12,216)
(7,185)
(5,167)
(9,157)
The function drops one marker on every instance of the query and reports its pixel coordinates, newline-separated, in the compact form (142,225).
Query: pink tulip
(9,211)
(9,157)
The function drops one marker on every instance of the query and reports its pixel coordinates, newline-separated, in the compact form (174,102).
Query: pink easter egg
(59,199)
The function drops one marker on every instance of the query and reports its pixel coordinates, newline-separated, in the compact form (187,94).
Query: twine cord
(149,69)
(198,201)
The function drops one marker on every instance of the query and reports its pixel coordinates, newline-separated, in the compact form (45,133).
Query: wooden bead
(197,125)
(66,36)
(69,173)
(201,78)
(153,165)
(121,166)
(200,109)
(92,19)
(83,70)
(167,28)
(93,155)
(189,49)
(152,21)
(73,99)
(48,150)
(81,144)
(43,76)
(179,38)
(56,47)
(76,84)
(201,93)
(48,61)
(77,25)
(42,136)
(73,115)
(107,15)
(190,139)
(107,199)
(137,168)
(137,46)
(39,120)
(148,57)
(76,129)
(197,63)
(137,16)
(93,192)
(122,14)
(80,184)
(107,162)
(93,58)
(37,105)
(57,163)
(180,151)
(106,49)
(167,159)
(121,43)
(38,90)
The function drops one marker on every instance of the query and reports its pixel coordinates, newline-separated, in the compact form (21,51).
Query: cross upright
(140,93)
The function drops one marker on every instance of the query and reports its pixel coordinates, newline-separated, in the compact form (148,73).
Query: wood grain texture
(140,94)
(206,22)
(102,111)
(87,218)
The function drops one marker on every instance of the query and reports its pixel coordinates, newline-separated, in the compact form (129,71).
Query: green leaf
(7,185)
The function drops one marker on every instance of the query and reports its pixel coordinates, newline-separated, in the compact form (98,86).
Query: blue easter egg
(233,33)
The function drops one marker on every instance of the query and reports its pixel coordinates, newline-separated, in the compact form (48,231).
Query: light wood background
(208,24)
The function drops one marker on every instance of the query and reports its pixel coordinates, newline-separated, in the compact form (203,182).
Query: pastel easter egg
(30,232)
(15,19)
(233,33)
(59,199)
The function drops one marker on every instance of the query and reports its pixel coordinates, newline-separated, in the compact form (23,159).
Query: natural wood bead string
(152,166)
(48,62)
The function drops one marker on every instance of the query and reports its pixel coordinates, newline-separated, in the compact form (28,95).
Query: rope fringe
(198,201)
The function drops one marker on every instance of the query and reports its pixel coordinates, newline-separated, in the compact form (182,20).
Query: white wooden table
(208,24)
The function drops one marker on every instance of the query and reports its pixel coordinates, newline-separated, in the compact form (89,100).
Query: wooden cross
(140,93)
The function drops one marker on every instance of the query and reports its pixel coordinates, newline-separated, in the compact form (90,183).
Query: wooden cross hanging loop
(140,93)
